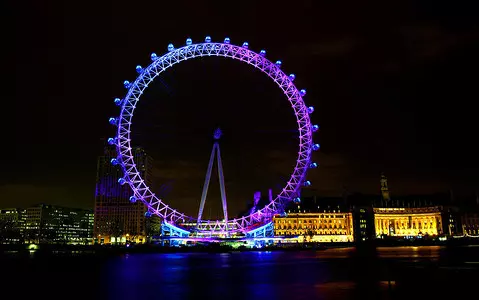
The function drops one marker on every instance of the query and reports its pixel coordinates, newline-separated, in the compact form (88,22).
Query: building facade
(49,224)
(470,224)
(316,227)
(117,220)
(12,224)
(404,222)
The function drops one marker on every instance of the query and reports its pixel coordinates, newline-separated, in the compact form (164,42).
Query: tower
(384,188)
(116,219)
(216,150)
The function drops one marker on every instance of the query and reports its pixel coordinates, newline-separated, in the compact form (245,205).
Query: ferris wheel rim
(159,65)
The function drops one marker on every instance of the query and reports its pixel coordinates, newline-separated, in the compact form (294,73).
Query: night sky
(394,87)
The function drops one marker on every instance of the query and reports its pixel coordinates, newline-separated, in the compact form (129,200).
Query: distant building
(470,224)
(117,220)
(49,224)
(408,222)
(12,224)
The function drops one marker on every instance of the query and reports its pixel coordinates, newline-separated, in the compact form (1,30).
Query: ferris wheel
(159,64)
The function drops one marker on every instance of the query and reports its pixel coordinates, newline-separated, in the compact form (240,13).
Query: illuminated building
(48,224)
(117,220)
(12,224)
(332,226)
(403,222)
(470,223)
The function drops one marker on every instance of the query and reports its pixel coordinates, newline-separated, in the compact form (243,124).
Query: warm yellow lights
(407,221)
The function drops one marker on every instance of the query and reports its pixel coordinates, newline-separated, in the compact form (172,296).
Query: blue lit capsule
(208,39)
(126,84)
(112,141)
(189,42)
(292,77)
(262,53)
(302,92)
(227,40)
(117,101)
(114,161)
(139,69)
(113,121)
(310,110)
(316,147)
(148,214)
(171,47)
(315,128)
(278,63)
(245,45)
(307,183)
(153,56)
(313,165)
(133,199)
(297,200)
(121,181)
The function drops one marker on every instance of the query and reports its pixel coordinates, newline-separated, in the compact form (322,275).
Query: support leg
(207,183)
(222,186)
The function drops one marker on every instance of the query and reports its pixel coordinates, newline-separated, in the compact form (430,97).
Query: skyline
(391,95)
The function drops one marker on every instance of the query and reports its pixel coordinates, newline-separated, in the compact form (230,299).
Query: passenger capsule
(302,92)
(310,110)
(114,161)
(315,128)
(245,45)
(139,69)
(297,200)
(126,84)
(316,147)
(227,40)
(208,39)
(307,183)
(121,181)
(292,77)
(171,47)
(113,121)
(153,56)
(112,141)
(313,165)
(148,214)
(133,199)
(262,53)
(189,42)
(117,101)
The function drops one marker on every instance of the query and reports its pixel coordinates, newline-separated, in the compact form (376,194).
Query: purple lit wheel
(159,64)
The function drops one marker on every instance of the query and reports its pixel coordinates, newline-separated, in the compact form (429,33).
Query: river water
(383,273)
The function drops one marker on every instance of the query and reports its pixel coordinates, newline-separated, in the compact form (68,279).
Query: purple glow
(160,64)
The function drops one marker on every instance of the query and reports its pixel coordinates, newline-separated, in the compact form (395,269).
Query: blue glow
(153,56)
(310,110)
(117,101)
(112,141)
(171,47)
(133,199)
(189,42)
(208,39)
(121,181)
(262,53)
(315,128)
(307,183)
(126,84)
(148,214)
(316,147)
(113,121)
(292,77)
(245,45)
(278,63)
(297,200)
(114,161)
(139,69)
(313,165)
(227,40)
(302,92)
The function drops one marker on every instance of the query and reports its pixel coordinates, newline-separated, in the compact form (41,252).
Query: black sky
(394,85)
